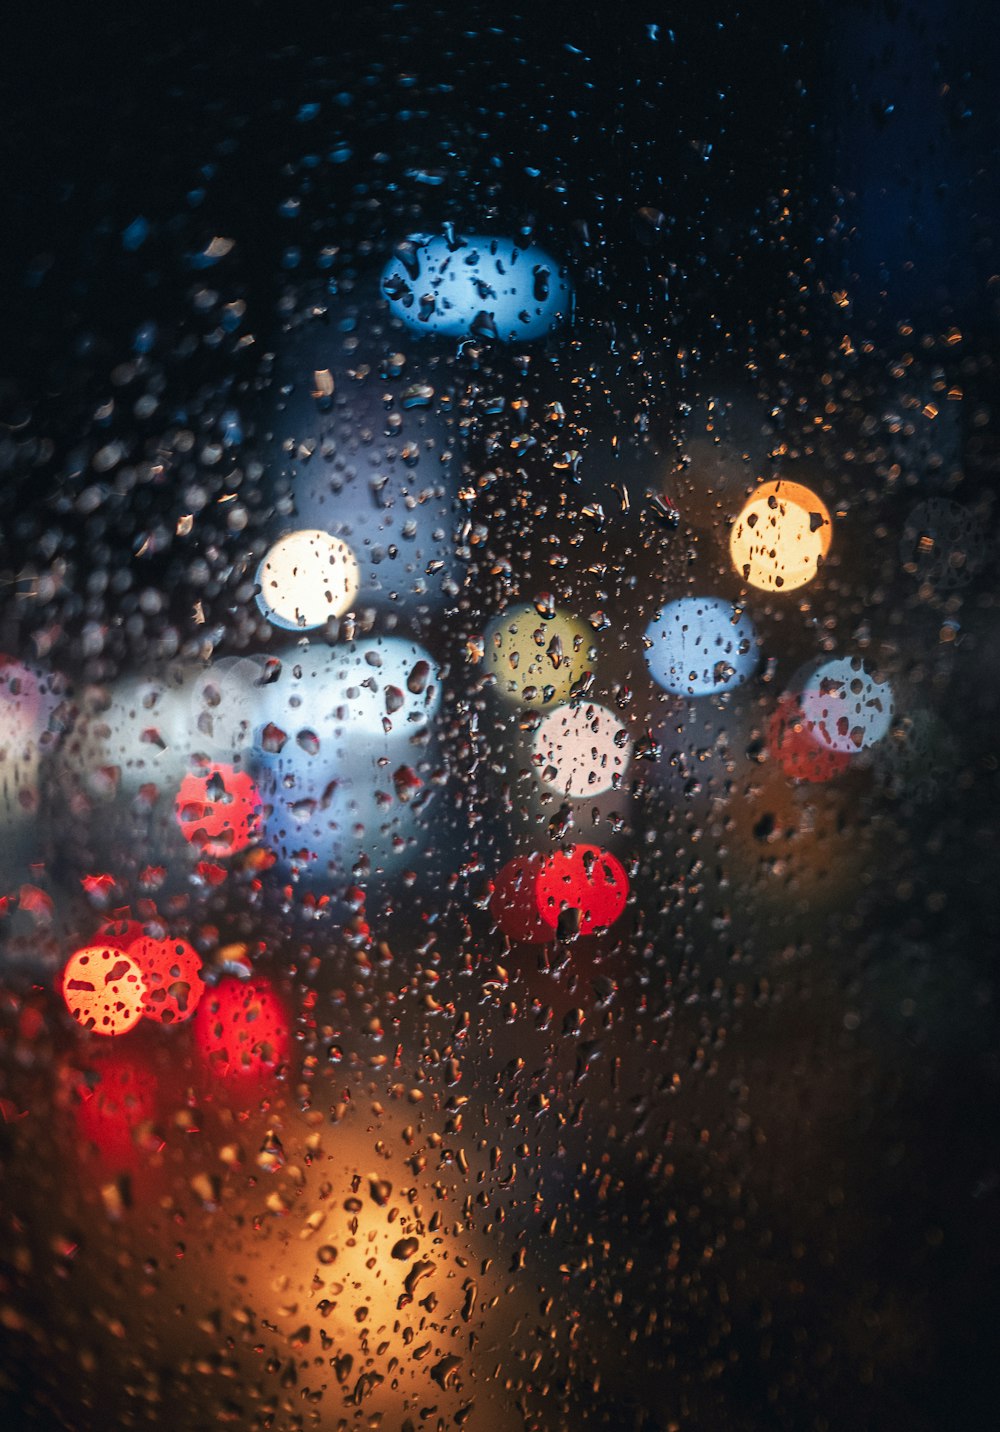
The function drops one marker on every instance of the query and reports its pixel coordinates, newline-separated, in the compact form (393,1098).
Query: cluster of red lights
(127,975)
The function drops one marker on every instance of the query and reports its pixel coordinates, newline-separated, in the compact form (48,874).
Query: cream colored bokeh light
(306,578)
(580,750)
(535,660)
(780,537)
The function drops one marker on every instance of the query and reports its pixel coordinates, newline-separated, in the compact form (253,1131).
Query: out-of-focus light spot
(844,707)
(383,687)
(701,645)
(137,734)
(479,286)
(535,661)
(219,810)
(780,537)
(104,989)
(306,578)
(111,1102)
(28,698)
(586,879)
(225,699)
(332,753)
(943,544)
(798,750)
(242,1028)
(172,972)
(582,750)
(120,931)
(514,902)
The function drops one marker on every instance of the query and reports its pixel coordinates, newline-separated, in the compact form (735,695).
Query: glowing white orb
(701,645)
(780,537)
(536,661)
(582,750)
(845,707)
(478,286)
(306,578)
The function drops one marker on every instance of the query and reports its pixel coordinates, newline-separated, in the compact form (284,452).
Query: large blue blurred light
(701,645)
(479,286)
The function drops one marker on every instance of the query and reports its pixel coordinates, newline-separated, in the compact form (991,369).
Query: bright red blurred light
(801,753)
(242,1027)
(121,931)
(219,811)
(514,902)
(172,971)
(584,878)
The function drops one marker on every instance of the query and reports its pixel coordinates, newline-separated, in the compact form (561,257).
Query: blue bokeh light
(701,645)
(479,286)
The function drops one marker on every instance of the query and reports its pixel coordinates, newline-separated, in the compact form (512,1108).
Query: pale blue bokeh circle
(700,646)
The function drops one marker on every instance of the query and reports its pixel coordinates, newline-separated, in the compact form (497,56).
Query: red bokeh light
(172,971)
(219,811)
(514,902)
(112,1100)
(104,989)
(121,932)
(242,1027)
(801,753)
(584,878)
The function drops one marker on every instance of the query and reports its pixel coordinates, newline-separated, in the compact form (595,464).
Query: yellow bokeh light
(780,537)
(536,660)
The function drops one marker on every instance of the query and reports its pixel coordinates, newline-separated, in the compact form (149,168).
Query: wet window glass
(499,655)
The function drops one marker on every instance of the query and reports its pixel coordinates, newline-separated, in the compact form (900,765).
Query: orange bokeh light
(219,811)
(104,989)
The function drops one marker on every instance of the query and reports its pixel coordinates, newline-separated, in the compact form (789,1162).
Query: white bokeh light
(845,707)
(384,687)
(306,578)
(582,750)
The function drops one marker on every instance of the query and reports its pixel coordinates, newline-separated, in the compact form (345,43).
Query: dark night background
(791,153)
